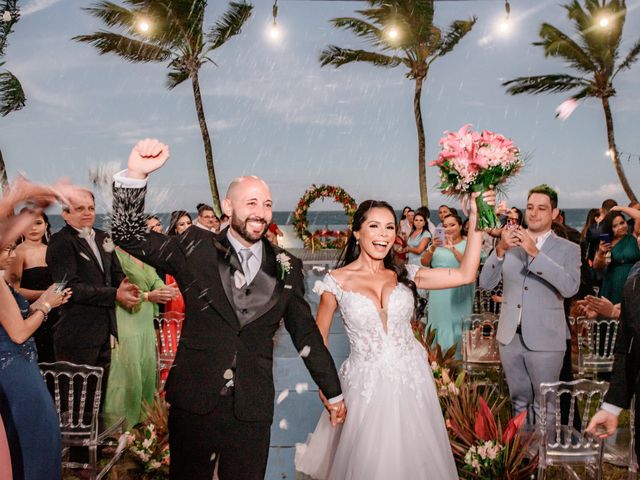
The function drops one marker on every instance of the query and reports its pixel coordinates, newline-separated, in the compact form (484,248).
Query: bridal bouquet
(475,162)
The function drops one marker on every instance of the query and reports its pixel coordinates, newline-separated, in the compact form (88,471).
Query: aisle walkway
(299,413)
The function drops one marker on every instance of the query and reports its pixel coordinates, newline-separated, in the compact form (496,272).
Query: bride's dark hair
(351,250)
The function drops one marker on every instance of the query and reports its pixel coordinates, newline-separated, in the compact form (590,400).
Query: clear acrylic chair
(480,353)
(169,331)
(596,340)
(567,445)
(77,391)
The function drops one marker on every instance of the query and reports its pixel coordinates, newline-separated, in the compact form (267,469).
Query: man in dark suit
(77,257)
(624,378)
(236,287)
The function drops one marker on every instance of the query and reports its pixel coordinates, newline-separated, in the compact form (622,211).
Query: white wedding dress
(394,427)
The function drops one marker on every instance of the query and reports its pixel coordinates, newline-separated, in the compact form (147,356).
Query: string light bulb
(604,22)
(274,31)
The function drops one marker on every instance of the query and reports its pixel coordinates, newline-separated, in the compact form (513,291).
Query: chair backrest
(479,344)
(484,300)
(76,391)
(169,331)
(596,340)
(585,398)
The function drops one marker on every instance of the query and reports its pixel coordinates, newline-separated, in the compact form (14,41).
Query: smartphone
(605,237)
(440,234)
(511,223)
(60,286)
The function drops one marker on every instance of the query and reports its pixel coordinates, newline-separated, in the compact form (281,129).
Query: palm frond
(113,15)
(337,57)
(230,24)
(457,30)
(12,97)
(178,73)
(557,44)
(544,84)
(128,48)
(361,28)
(629,60)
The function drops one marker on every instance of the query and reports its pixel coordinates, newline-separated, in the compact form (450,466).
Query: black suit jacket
(626,374)
(211,334)
(89,317)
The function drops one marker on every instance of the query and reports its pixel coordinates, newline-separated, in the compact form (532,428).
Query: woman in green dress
(447,307)
(132,377)
(615,257)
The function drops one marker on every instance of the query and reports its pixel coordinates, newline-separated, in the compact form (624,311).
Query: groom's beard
(241,228)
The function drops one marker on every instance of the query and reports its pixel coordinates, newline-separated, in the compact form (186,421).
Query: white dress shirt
(90,238)
(255,262)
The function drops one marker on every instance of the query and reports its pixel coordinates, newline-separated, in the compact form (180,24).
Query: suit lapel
(104,256)
(227,264)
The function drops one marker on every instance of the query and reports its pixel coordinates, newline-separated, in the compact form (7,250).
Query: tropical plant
(594,54)
(173,31)
(402,32)
(12,97)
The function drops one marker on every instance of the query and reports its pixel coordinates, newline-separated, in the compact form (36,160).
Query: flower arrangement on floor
(475,162)
(147,449)
(322,238)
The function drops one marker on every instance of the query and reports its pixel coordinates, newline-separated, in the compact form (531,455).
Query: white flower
(154,464)
(301,388)
(306,350)
(84,233)
(6,16)
(283,394)
(147,442)
(284,261)
(475,464)
(284,425)
(108,245)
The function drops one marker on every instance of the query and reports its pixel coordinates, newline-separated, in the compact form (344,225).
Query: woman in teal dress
(447,307)
(616,258)
(419,238)
(132,377)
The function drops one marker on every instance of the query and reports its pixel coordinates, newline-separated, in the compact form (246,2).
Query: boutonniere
(108,245)
(284,262)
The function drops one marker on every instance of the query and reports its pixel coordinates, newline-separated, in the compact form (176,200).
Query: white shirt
(255,262)
(91,240)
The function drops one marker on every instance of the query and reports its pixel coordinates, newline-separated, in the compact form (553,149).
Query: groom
(237,287)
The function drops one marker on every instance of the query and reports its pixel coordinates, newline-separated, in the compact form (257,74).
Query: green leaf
(544,84)
(128,48)
(12,97)
(457,30)
(229,25)
(337,57)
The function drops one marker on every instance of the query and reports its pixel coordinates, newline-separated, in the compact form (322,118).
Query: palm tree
(173,30)
(593,53)
(12,97)
(401,32)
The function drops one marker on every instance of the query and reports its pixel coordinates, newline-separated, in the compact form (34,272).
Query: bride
(394,427)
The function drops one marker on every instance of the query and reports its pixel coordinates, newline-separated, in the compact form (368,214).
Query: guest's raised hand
(601,306)
(526,241)
(604,247)
(508,240)
(22,190)
(128,294)
(436,242)
(603,424)
(53,297)
(147,156)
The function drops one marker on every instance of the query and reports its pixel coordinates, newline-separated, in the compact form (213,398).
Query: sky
(273,111)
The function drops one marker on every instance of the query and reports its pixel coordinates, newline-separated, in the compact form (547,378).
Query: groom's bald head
(249,205)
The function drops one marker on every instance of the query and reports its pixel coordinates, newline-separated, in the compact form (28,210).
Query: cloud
(607,190)
(37,6)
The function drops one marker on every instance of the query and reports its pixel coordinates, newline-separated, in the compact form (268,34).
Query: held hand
(508,240)
(603,424)
(128,294)
(603,248)
(436,242)
(163,294)
(147,156)
(601,305)
(501,208)
(337,411)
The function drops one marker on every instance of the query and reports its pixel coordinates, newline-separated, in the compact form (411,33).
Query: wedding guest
(592,236)
(419,238)
(224,221)
(447,307)
(154,224)
(207,219)
(538,269)
(443,211)
(30,277)
(406,224)
(26,407)
(615,259)
(132,376)
(179,222)
(82,257)
(592,215)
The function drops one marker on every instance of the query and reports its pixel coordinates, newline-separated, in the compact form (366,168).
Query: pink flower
(566,108)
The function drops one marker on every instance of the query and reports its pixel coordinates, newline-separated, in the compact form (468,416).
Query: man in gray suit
(538,270)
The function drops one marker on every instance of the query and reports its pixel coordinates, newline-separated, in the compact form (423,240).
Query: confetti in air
(304,353)
(566,108)
(213,456)
(284,425)
(301,388)
(283,394)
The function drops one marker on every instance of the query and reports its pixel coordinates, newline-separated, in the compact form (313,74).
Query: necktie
(245,255)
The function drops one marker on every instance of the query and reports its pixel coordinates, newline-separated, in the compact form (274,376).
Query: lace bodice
(395,354)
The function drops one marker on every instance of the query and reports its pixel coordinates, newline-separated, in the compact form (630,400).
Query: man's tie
(245,255)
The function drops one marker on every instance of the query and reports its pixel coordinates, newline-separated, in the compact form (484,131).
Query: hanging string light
(505,25)
(274,31)
(143,24)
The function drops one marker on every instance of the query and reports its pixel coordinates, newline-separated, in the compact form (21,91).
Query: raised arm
(633,213)
(441,278)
